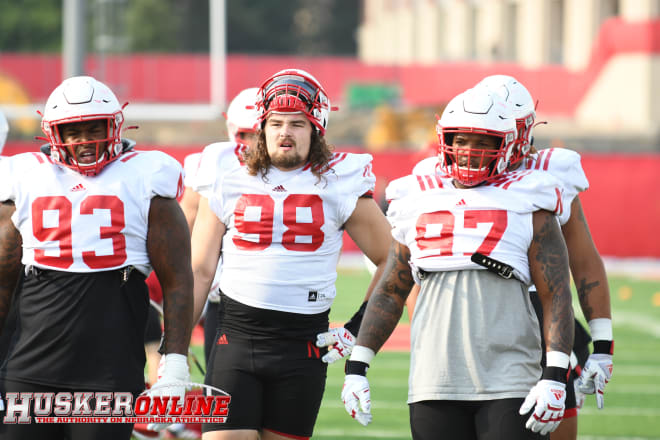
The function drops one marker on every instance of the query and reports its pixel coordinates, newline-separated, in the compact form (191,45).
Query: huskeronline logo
(204,404)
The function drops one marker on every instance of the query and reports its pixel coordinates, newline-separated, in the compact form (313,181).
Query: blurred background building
(390,66)
(592,64)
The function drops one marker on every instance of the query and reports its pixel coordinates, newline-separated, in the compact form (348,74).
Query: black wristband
(353,324)
(604,347)
(356,367)
(557,374)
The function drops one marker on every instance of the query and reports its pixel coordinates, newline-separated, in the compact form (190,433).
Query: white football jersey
(190,167)
(443,225)
(203,172)
(562,163)
(76,223)
(284,234)
(216,157)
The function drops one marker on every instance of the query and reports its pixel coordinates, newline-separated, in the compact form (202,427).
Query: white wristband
(601,329)
(556,359)
(175,357)
(362,354)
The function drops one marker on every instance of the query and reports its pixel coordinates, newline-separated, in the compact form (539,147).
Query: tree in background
(30,25)
(300,27)
(294,27)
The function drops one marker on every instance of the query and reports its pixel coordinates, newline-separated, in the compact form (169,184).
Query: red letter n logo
(312,350)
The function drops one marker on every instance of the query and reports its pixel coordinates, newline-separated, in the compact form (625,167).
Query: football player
(474,235)
(585,262)
(89,220)
(242,122)
(278,221)
(242,127)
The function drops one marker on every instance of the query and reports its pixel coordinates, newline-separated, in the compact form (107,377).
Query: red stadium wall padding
(184,78)
(622,204)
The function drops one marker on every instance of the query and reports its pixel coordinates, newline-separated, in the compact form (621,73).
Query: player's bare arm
(11,252)
(387,301)
(189,204)
(370,230)
(586,266)
(548,261)
(168,245)
(206,244)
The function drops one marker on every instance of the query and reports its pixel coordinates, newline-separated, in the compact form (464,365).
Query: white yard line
(637,321)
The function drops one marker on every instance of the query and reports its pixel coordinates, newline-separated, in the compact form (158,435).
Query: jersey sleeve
(190,168)
(215,158)
(353,177)
(566,167)
(397,193)
(7,180)
(225,158)
(426,166)
(536,190)
(12,170)
(164,177)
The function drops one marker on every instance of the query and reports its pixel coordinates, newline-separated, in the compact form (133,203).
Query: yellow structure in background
(11,93)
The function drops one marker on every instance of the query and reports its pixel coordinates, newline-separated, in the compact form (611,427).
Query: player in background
(242,125)
(278,221)
(242,129)
(89,220)
(474,237)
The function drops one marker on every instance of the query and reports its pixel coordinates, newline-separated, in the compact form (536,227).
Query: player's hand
(357,398)
(596,373)
(341,341)
(173,378)
(547,398)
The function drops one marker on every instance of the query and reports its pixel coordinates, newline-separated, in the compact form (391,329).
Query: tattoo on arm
(11,252)
(168,245)
(584,289)
(386,303)
(549,266)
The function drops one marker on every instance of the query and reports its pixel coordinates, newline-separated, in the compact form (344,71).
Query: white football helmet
(293,91)
(242,116)
(482,112)
(78,99)
(524,109)
(4,130)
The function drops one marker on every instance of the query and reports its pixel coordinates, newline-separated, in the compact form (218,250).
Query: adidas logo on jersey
(461,203)
(279,188)
(222,340)
(78,187)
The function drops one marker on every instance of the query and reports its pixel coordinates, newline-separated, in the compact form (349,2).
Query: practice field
(632,399)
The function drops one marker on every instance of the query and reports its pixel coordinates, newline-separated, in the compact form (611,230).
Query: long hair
(257,158)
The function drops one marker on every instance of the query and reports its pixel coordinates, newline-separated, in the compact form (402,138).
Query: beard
(287,161)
